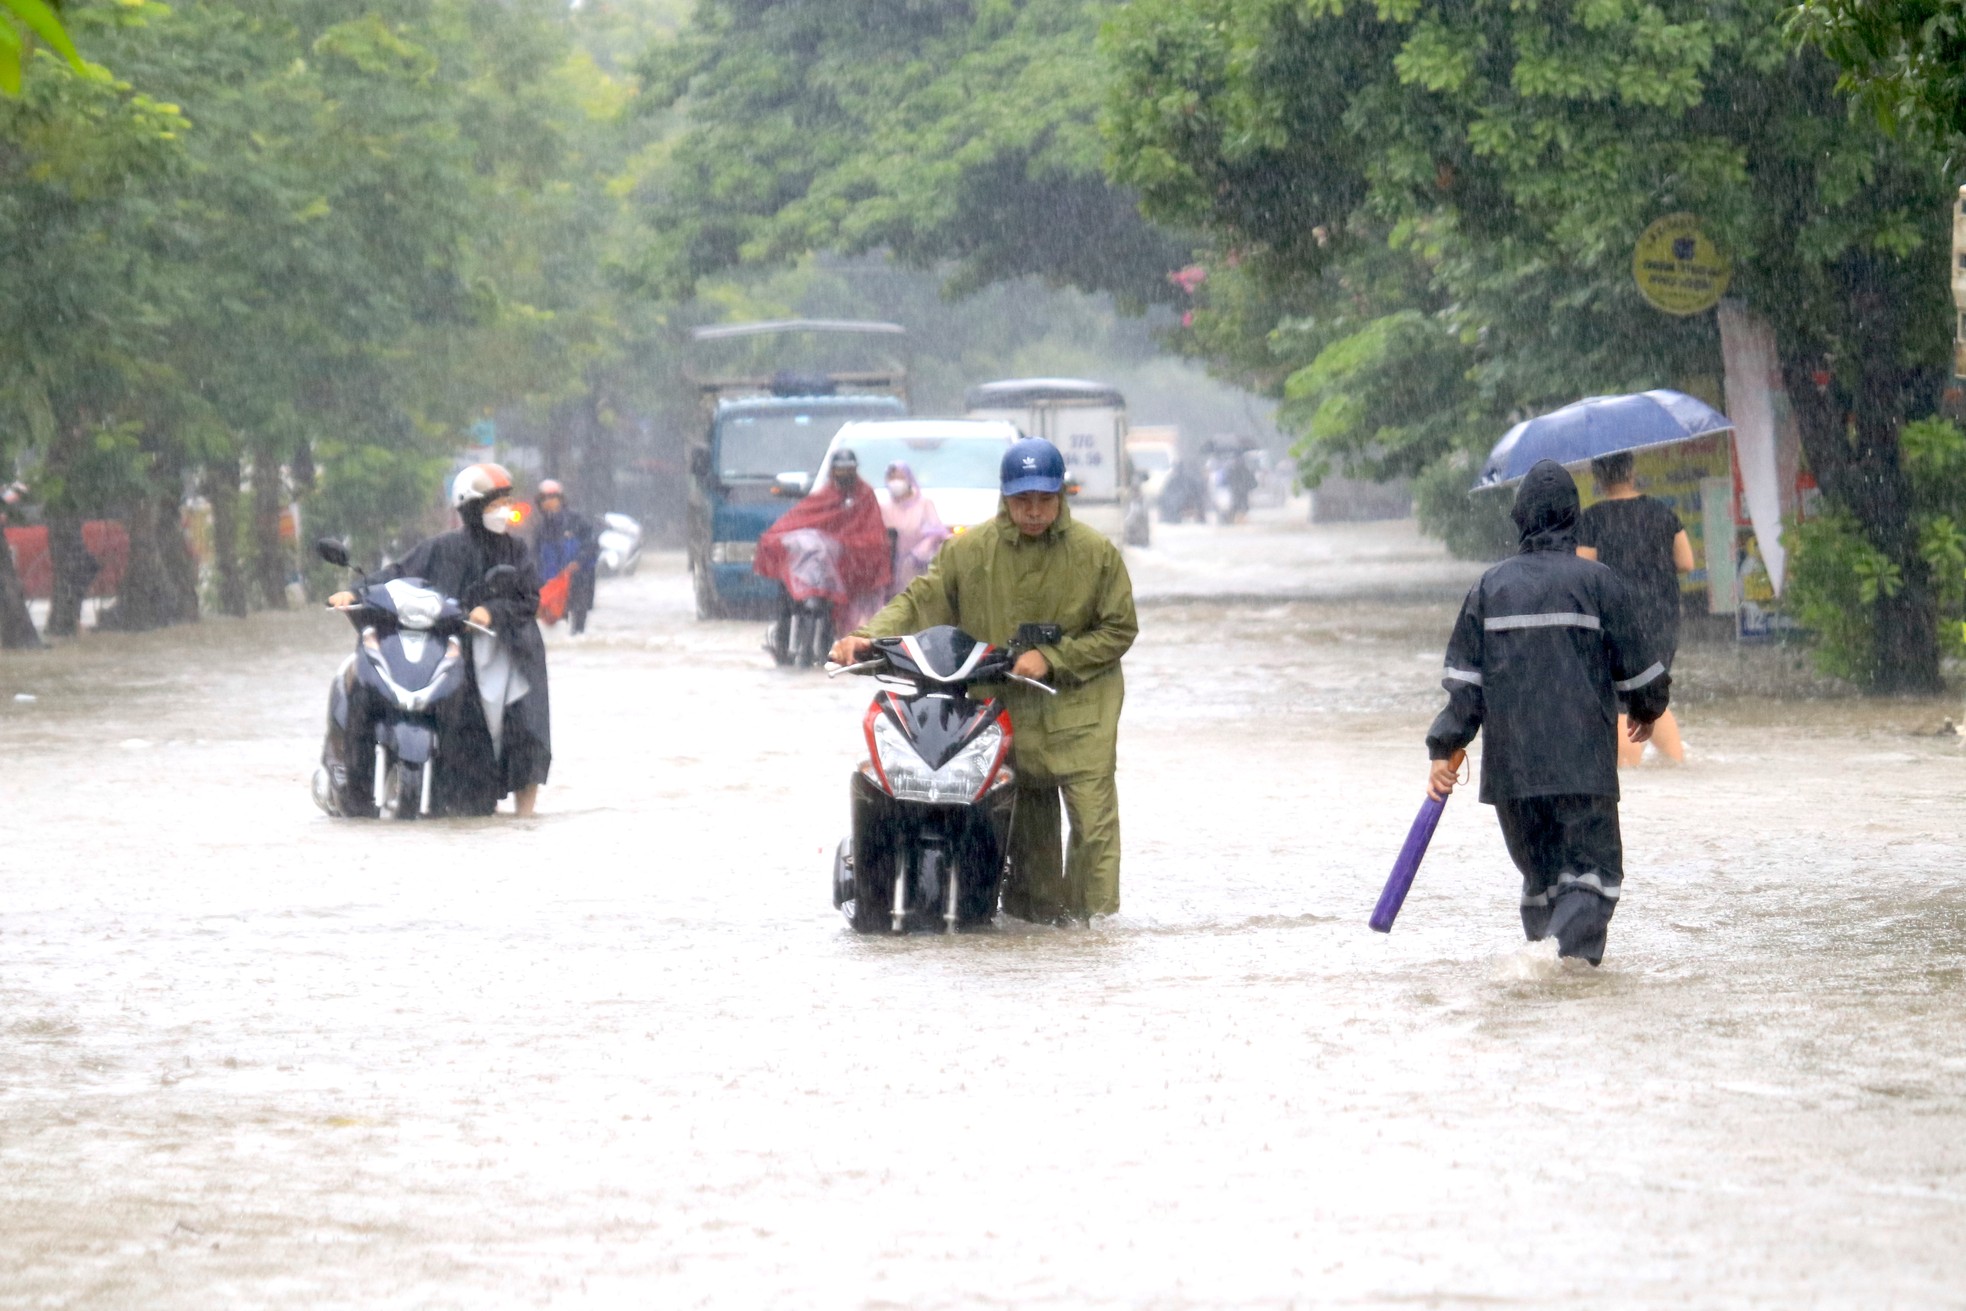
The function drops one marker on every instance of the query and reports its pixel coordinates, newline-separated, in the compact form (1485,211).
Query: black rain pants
(1573,868)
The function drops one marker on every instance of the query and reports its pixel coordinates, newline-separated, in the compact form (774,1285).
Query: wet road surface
(625,1054)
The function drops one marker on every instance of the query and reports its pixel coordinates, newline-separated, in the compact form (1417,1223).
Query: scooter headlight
(962,779)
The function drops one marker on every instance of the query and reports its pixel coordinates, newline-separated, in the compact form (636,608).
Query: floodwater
(625,1053)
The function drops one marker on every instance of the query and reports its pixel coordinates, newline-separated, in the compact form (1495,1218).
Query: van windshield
(767,444)
(937,461)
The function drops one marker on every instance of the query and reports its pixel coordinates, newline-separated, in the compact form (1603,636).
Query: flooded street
(625,1053)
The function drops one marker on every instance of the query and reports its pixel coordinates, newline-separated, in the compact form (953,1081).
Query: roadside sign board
(1677,267)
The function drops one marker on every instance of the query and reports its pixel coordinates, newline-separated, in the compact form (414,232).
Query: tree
(941,130)
(1905,59)
(1515,153)
(325,234)
(20,22)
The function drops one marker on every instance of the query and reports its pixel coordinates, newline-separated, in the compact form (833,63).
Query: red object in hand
(553,597)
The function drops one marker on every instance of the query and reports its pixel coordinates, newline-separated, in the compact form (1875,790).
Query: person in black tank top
(1642,540)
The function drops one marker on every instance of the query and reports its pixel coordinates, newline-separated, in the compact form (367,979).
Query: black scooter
(410,653)
(933,801)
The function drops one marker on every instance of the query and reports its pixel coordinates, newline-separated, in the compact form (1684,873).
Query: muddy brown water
(625,1054)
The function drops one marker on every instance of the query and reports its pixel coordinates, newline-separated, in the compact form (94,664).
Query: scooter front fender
(411,742)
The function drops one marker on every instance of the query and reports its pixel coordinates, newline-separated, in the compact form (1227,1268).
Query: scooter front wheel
(403,798)
(873,897)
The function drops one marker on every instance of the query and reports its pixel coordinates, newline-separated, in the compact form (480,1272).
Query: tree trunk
(174,549)
(1851,445)
(16,625)
(74,569)
(272,562)
(596,493)
(155,591)
(221,487)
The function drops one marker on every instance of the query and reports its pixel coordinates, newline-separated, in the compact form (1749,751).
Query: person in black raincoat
(497,733)
(1545,645)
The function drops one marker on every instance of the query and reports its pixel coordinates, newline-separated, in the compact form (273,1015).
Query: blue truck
(760,451)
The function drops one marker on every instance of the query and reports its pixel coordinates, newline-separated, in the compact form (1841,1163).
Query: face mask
(898,488)
(498,519)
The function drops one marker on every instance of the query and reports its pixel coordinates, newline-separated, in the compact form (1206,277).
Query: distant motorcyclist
(567,541)
(1185,494)
(832,544)
(498,740)
(1545,645)
(1033,564)
(1239,480)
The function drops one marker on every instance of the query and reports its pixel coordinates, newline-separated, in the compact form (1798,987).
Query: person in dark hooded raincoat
(496,734)
(1545,645)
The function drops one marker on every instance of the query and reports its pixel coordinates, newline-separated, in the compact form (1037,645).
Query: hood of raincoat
(1545,510)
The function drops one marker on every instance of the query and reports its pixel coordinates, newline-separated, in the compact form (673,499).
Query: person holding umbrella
(1642,541)
(1544,646)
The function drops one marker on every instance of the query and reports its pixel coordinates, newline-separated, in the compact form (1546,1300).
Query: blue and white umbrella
(1599,425)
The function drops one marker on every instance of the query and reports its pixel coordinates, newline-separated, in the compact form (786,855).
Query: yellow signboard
(1677,268)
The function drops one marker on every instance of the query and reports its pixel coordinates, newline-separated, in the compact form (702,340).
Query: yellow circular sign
(1677,268)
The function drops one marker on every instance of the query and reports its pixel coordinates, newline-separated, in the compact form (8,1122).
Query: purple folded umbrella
(1400,881)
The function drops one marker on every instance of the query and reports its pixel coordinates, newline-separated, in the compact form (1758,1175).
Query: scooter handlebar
(834,671)
(1046,688)
(349,609)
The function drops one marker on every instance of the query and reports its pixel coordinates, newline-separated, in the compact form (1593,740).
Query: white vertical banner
(1717,534)
(1763,426)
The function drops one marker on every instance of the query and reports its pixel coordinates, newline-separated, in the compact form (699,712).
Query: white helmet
(479,482)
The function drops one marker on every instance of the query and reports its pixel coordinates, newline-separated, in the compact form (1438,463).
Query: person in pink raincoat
(918,530)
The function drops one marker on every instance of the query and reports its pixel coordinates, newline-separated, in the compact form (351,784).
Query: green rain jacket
(992,578)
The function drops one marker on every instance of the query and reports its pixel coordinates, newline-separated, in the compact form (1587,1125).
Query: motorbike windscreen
(416,606)
(945,650)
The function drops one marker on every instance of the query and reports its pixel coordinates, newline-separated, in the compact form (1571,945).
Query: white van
(958,462)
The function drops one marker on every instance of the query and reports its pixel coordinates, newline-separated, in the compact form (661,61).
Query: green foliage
(1474,527)
(1385,401)
(940,130)
(20,22)
(1833,583)
(1837,576)
(1905,59)
(349,227)
(1509,155)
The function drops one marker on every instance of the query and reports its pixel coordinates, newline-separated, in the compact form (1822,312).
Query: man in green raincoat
(1033,564)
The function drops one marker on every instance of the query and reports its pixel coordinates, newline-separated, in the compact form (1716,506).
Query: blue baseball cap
(1032,465)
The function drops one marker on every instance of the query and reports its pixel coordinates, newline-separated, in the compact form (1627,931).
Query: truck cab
(759,455)
(767,427)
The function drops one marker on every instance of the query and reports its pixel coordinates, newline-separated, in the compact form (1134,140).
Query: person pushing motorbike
(1544,646)
(1034,565)
(499,739)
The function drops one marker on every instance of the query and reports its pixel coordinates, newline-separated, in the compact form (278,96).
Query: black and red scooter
(932,802)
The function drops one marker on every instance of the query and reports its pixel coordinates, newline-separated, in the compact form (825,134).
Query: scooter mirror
(332,551)
(502,578)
